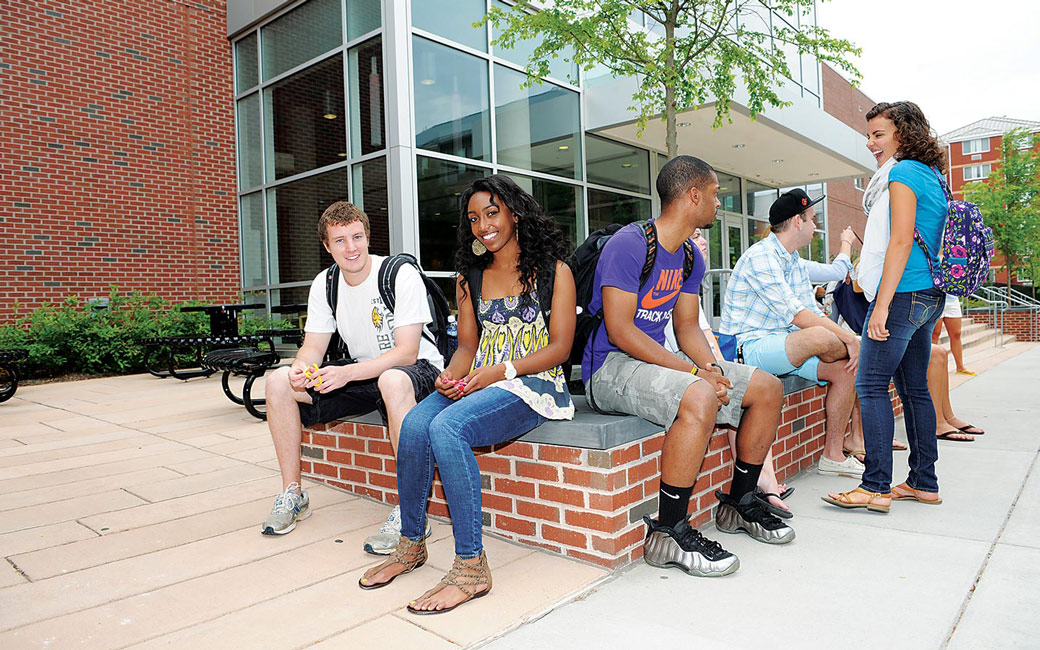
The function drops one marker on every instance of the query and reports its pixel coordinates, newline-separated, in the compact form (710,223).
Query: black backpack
(386,281)
(583,262)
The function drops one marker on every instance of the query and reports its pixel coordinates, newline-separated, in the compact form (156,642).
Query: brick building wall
(117,127)
(844,200)
(1023,325)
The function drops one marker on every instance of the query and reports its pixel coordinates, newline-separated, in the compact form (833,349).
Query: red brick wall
(117,126)
(1024,325)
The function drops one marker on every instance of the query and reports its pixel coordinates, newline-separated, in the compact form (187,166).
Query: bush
(76,336)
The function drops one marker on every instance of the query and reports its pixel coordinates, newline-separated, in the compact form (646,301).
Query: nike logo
(650,301)
(668,285)
(742,471)
(673,496)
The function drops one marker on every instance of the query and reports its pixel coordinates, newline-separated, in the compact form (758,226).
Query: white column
(401,180)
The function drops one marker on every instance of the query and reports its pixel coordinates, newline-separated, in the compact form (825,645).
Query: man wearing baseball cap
(770,309)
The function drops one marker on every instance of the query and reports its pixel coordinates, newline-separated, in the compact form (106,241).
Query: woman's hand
(483,377)
(447,386)
(876,328)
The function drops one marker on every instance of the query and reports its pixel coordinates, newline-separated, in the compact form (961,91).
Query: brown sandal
(843,500)
(465,577)
(411,554)
(904,492)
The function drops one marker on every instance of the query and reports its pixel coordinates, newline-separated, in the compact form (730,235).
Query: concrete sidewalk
(964,575)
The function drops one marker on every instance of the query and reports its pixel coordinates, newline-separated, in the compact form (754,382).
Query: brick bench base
(582,503)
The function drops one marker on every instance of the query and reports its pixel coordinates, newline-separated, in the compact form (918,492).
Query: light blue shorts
(770,354)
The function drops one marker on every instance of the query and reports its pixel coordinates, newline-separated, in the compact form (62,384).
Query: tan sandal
(907,493)
(464,576)
(844,501)
(411,554)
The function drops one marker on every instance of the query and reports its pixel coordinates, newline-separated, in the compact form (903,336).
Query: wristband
(694,370)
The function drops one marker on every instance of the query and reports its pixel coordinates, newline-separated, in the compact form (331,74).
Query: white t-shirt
(670,343)
(364,323)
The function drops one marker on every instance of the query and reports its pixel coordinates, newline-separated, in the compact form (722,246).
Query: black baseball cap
(790,204)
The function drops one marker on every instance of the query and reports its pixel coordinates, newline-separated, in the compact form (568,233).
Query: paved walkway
(130,508)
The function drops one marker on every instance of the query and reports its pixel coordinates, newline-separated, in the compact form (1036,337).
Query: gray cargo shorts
(626,385)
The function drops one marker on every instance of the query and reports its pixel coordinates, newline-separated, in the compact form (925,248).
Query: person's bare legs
(841,395)
(283,420)
(939,388)
(762,403)
(398,395)
(687,439)
(953,328)
(814,342)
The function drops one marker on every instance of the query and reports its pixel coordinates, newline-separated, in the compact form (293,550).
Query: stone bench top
(592,430)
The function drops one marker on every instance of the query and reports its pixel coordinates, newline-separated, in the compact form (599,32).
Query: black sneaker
(683,547)
(750,516)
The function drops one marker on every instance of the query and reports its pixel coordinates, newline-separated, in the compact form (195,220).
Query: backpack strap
(650,233)
(474,280)
(337,346)
(687,265)
(387,283)
(545,293)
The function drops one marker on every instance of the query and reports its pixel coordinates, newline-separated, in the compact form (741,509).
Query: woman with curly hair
(504,380)
(904,196)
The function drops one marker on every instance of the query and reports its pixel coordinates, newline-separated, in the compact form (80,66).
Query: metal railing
(1019,301)
(997,304)
(708,294)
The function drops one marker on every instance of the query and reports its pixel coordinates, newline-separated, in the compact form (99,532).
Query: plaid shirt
(767,288)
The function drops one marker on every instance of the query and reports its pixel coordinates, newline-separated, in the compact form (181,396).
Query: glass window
(756,231)
(733,243)
(729,192)
(439,185)
(253,237)
(810,74)
(759,198)
(714,235)
(607,207)
(617,165)
(305,120)
(367,127)
(362,17)
(250,172)
(537,128)
(561,67)
(452,105)
(370,194)
(858,183)
(818,247)
(976,172)
(295,250)
(979,145)
(560,201)
(452,19)
(815,191)
(246,73)
(300,35)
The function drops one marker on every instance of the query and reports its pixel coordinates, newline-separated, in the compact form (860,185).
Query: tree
(1010,203)
(691,51)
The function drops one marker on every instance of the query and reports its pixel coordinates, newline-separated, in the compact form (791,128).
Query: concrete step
(967,330)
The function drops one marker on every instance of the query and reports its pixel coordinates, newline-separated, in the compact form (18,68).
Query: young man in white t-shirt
(396,362)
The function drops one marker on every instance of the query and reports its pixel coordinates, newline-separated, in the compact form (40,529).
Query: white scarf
(877,232)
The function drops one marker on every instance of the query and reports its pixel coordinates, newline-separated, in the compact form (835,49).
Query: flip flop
(843,500)
(945,435)
(858,454)
(913,495)
(786,492)
(899,445)
(763,498)
(971,433)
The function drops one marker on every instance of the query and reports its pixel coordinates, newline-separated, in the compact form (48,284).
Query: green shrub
(77,336)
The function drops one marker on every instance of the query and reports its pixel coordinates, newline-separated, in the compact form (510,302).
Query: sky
(959,61)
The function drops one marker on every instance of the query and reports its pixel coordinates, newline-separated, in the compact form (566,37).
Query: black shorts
(360,397)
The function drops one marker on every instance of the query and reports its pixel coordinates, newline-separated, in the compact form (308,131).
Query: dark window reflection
(452,113)
(297,254)
(607,207)
(306,120)
(537,128)
(559,200)
(370,194)
(367,131)
(300,35)
(617,165)
(439,185)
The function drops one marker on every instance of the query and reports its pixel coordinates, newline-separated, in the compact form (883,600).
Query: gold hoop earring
(478,247)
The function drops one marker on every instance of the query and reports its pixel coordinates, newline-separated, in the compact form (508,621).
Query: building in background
(118,162)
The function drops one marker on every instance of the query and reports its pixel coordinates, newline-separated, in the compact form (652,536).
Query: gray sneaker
(385,541)
(289,508)
(685,548)
(750,516)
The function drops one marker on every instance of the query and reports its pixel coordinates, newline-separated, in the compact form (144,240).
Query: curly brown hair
(341,213)
(916,141)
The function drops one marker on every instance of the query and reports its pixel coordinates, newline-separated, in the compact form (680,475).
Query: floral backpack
(965,247)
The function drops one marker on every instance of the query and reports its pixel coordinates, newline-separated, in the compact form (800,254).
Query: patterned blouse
(513,329)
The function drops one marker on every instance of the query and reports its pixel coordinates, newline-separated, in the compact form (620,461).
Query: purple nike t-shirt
(619,266)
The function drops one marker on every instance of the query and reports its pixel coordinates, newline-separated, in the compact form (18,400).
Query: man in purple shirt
(627,369)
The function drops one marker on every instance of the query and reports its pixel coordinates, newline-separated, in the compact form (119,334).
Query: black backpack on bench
(386,281)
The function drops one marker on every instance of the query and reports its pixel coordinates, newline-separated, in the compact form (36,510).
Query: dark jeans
(441,430)
(903,360)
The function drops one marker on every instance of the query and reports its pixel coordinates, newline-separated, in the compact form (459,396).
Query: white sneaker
(849,467)
(385,541)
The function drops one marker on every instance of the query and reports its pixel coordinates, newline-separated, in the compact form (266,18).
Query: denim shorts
(626,385)
(770,354)
(360,397)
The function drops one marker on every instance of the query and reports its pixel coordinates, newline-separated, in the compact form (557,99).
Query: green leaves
(684,53)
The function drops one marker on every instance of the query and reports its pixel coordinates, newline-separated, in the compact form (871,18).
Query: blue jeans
(441,430)
(903,360)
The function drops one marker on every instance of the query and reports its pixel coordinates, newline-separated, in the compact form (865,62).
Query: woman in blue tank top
(905,306)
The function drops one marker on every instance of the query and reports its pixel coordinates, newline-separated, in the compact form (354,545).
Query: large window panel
(250,171)
(818,247)
(440,183)
(561,67)
(367,117)
(254,240)
(370,194)
(759,198)
(296,251)
(305,120)
(246,73)
(606,208)
(362,17)
(300,35)
(617,165)
(536,128)
(561,201)
(756,231)
(729,192)
(452,19)
(452,105)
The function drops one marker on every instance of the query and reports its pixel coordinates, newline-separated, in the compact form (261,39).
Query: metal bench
(8,372)
(223,333)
